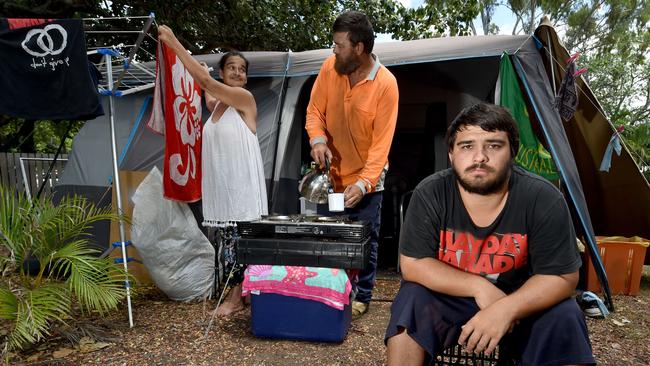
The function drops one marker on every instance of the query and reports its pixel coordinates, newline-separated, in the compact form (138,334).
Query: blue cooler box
(287,317)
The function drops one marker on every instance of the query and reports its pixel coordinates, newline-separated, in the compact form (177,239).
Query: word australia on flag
(532,155)
(44,73)
(177,114)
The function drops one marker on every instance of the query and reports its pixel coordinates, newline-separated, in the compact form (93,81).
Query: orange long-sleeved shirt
(356,123)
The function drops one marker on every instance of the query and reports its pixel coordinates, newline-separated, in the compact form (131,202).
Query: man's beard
(346,67)
(484,187)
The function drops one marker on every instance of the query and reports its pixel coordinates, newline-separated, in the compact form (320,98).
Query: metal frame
(111,89)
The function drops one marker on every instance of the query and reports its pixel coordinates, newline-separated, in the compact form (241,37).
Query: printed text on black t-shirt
(497,253)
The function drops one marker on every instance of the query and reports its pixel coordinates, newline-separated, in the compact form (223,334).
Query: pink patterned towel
(330,286)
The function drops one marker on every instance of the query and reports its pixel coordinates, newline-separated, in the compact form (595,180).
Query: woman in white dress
(233,185)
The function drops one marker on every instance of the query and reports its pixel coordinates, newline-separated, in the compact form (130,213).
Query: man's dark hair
(226,56)
(488,117)
(358,27)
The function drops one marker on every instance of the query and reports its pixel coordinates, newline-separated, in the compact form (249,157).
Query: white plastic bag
(180,259)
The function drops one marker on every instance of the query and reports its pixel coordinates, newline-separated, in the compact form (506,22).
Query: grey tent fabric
(418,51)
(150,146)
(284,194)
(86,163)
(275,64)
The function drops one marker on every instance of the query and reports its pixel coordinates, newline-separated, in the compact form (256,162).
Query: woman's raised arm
(239,98)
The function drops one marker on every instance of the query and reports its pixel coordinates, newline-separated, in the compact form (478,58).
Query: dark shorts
(556,336)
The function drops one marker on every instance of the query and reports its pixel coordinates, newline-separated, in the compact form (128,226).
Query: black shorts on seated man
(488,255)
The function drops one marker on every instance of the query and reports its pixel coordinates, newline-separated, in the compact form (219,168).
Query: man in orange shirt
(351,120)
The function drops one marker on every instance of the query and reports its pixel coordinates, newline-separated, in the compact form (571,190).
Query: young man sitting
(488,256)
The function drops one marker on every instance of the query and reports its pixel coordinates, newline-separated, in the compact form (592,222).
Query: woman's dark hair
(226,56)
(488,117)
(358,27)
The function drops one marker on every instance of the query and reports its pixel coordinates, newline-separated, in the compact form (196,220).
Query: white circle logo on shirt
(48,42)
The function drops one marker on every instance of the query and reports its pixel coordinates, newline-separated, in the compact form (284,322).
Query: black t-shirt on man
(533,234)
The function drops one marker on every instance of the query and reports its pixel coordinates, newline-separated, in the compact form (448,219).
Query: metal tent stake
(116,182)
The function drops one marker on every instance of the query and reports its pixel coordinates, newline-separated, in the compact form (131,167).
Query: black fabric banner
(44,71)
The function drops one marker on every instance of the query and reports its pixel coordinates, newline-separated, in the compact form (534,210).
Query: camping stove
(300,226)
(299,240)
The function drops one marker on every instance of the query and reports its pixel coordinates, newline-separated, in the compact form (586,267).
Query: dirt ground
(172,333)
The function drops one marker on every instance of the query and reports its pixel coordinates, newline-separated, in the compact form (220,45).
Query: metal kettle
(317,184)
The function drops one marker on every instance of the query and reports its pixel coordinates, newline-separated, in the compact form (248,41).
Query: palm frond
(13,223)
(57,236)
(36,310)
(82,214)
(6,264)
(8,304)
(97,283)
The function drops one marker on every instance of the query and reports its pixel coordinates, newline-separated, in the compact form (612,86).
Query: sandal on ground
(358,309)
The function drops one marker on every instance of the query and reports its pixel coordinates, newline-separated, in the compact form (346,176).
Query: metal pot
(317,184)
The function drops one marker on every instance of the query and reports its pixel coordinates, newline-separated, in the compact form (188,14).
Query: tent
(436,79)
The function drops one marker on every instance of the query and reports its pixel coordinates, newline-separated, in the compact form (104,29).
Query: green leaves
(34,311)
(282,25)
(97,283)
(13,226)
(8,304)
(433,19)
(56,236)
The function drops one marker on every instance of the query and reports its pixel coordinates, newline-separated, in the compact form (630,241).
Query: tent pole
(550,52)
(116,184)
(278,119)
(586,224)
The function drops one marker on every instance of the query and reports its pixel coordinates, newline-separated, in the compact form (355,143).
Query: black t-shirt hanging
(44,70)
(533,234)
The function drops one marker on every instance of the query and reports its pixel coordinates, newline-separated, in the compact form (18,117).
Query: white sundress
(232,182)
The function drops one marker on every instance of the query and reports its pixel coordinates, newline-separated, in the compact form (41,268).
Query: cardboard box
(623,261)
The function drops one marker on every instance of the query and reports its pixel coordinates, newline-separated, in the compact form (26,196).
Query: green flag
(532,155)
